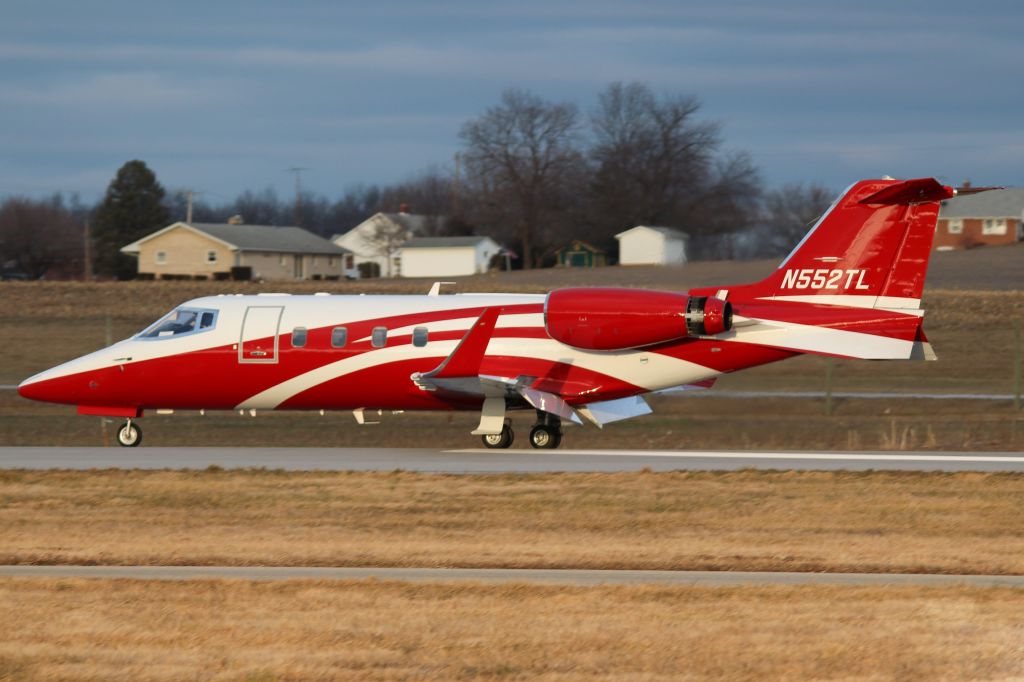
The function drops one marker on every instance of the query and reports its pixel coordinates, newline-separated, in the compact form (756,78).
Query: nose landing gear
(501,440)
(129,435)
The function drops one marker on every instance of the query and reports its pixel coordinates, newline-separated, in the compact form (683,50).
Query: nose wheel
(129,435)
(501,440)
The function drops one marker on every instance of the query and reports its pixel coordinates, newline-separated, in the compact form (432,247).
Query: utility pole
(296,217)
(189,195)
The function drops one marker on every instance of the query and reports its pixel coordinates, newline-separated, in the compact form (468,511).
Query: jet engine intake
(609,319)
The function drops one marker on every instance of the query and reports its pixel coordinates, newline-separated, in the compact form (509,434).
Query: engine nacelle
(620,319)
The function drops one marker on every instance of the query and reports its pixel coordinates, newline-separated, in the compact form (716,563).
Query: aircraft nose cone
(33,390)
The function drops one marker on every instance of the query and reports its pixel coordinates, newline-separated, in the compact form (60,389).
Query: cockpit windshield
(179,322)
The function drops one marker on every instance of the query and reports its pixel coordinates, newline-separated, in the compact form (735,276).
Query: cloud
(123,91)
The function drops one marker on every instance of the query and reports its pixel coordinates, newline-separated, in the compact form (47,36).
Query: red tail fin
(870,249)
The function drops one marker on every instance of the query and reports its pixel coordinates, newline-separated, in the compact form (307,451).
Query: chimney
(236,220)
(403,207)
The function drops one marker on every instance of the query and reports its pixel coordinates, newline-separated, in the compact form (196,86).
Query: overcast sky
(222,97)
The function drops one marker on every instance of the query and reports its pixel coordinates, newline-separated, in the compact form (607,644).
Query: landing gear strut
(499,440)
(546,434)
(129,435)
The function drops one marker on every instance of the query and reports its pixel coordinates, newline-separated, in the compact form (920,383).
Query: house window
(211,256)
(955,226)
(339,336)
(283,261)
(994,226)
(419,337)
(299,337)
(161,257)
(379,337)
(349,262)
(314,261)
(330,261)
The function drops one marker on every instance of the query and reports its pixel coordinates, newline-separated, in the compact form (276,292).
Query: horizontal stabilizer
(917,191)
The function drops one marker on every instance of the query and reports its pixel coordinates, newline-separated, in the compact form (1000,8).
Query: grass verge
(106,629)
(747,520)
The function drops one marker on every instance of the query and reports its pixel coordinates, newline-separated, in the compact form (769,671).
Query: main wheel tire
(544,437)
(499,441)
(129,436)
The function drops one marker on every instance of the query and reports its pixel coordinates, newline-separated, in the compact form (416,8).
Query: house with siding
(989,218)
(210,251)
(444,256)
(375,241)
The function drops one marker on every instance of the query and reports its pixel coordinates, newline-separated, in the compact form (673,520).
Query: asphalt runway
(494,461)
(490,575)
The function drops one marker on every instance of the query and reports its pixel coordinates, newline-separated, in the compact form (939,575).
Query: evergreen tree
(132,208)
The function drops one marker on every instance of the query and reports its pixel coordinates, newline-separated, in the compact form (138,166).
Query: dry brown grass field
(303,630)
(811,521)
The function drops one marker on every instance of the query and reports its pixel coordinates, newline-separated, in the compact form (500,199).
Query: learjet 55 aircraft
(850,289)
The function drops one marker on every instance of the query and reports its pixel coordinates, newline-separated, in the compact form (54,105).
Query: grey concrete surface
(482,461)
(556,576)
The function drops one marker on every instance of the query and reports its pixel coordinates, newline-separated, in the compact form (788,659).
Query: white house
(444,256)
(375,240)
(644,245)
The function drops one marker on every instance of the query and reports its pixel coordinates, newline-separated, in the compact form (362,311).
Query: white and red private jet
(850,289)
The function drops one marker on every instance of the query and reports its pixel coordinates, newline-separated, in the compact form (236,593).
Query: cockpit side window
(181,322)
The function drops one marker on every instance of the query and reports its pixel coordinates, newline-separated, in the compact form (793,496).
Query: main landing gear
(546,434)
(129,435)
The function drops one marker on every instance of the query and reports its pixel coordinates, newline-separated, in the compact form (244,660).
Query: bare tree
(37,237)
(519,155)
(726,204)
(652,157)
(788,213)
(385,239)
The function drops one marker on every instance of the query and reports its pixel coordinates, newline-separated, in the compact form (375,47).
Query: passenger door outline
(260,322)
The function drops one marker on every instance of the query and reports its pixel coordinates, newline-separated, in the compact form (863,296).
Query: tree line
(532,173)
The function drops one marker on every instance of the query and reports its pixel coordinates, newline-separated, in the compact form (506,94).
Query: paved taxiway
(556,576)
(493,461)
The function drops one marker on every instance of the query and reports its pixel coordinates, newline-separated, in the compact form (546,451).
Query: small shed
(648,245)
(580,254)
(444,256)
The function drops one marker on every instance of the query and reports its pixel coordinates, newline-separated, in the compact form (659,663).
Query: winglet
(467,357)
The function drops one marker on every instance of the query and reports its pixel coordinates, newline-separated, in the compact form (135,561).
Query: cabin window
(339,337)
(211,256)
(419,337)
(379,337)
(955,226)
(299,337)
(161,257)
(180,322)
